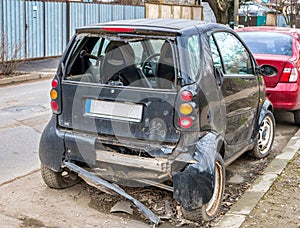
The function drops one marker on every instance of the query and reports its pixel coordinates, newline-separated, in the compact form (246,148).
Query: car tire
(297,117)
(265,137)
(59,180)
(209,211)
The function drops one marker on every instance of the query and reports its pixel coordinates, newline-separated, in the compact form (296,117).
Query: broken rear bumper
(190,167)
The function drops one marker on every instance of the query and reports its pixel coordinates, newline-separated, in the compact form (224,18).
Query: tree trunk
(221,16)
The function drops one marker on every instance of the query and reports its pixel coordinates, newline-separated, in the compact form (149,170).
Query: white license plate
(114,110)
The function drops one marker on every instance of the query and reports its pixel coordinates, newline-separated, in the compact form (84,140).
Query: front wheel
(209,211)
(265,136)
(297,117)
(59,180)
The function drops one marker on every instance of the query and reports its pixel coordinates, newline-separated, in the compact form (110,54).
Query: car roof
(163,25)
(291,31)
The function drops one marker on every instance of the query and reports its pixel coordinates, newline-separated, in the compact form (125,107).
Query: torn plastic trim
(97,180)
(195,185)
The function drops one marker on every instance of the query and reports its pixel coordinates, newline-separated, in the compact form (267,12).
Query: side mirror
(268,70)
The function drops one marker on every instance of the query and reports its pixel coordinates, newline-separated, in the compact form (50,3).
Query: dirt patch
(284,196)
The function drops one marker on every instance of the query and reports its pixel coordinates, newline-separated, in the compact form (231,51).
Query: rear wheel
(265,136)
(297,117)
(209,211)
(59,180)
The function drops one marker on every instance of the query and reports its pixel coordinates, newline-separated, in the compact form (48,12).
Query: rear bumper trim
(154,164)
(97,180)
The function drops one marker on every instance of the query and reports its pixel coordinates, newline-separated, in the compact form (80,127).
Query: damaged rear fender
(195,185)
(51,148)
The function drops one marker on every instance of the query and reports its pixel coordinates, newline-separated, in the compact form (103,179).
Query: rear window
(122,61)
(268,42)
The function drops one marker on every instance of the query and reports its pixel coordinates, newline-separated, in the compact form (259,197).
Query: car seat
(118,64)
(165,67)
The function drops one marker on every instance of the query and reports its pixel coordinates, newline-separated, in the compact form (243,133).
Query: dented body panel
(142,102)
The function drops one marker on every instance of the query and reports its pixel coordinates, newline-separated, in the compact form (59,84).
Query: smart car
(280,48)
(156,102)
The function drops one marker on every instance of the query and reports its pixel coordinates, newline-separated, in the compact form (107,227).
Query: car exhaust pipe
(98,181)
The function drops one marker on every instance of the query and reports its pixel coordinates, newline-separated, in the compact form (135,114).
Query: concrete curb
(242,208)
(26,77)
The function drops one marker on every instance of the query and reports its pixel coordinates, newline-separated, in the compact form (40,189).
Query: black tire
(265,137)
(209,211)
(297,117)
(59,180)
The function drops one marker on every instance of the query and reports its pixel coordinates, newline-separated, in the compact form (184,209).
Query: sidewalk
(273,200)
(48,65)
(34,69)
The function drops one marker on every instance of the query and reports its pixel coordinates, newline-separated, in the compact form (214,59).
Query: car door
(239,88)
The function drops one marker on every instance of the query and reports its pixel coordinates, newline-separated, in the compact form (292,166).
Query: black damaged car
(160,102)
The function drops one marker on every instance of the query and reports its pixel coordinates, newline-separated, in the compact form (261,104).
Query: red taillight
(54,83)
(186,95)
(289,73)
(185,122)
(54,106)
(54,95)
(114,29)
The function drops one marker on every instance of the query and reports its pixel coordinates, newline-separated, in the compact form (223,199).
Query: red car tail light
(289,73)
(186,95)
(186,109)
(185,122)
(116,29)
(54,95)
(54,106)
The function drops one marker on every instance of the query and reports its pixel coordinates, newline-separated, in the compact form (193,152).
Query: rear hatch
(120,87)
(278,61)
(138,113)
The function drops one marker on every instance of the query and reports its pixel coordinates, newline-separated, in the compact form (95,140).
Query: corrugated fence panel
(118,12)
(77,16)
(105,12)
(35,29)
(139,12)
(14,39)
(38,28)
(129,12)
(55,28)
(91,14)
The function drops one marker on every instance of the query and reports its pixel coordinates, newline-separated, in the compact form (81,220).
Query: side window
(215,54)
(235,57)
(194,55)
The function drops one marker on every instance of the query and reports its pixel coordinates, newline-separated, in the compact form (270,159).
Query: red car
(278,47)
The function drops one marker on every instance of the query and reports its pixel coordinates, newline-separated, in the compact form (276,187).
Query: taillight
(186,109)
(116,29)
(54,106)
(186,95)
(290,73)
(185,122)
(54,96)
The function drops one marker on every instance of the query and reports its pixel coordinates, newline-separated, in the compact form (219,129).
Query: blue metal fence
(41,28)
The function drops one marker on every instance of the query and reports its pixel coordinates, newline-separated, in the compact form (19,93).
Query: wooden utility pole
(236,12)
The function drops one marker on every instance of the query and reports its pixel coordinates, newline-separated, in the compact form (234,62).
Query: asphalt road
(24,111)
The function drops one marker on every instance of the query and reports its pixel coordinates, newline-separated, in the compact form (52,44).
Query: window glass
(138,50)
(268,42)
(156,45)
(194,56)
(215,54)
(128,61)
(236,58)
